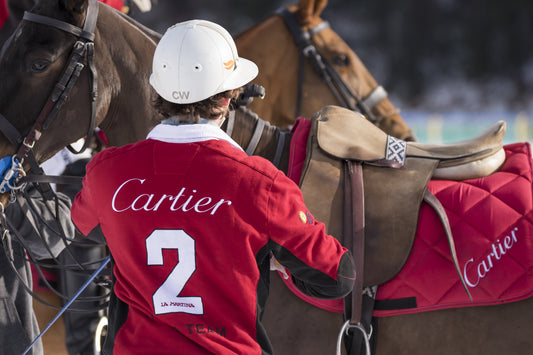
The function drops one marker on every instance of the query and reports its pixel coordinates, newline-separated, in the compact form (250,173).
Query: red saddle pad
(492,224)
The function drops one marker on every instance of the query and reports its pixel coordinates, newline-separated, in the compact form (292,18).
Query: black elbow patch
(346,273)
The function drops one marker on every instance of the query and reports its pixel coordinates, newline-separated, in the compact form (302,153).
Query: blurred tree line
(425,53)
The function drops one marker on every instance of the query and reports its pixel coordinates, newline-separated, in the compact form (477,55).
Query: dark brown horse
(32,62)
(33,59)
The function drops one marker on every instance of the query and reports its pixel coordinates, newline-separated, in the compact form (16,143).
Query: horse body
(296,327)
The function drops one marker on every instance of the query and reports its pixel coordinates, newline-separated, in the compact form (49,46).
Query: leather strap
(231,123)
(279,148)
(354,231)
(61,179)
(434,202)
(256,136)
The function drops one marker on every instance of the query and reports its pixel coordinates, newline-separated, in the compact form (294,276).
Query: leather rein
(342,92)
(83,51)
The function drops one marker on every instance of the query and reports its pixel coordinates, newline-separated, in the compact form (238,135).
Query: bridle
(83,51)
(342,92)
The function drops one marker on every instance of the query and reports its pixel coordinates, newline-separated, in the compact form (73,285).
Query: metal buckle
(11,176)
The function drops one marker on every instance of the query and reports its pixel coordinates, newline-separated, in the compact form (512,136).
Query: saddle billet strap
(434,202)
(354,233)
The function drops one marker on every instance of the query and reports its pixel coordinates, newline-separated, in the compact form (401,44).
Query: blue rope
(69,303)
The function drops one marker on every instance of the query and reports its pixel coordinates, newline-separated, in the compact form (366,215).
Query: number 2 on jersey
(166,299)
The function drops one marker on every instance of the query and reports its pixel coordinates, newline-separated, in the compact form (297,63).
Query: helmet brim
(245,71)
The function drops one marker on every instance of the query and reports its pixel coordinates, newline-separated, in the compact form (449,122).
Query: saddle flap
(347,134)
(392,197)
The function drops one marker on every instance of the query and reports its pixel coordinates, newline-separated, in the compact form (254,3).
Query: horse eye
(39,65)
(341,60)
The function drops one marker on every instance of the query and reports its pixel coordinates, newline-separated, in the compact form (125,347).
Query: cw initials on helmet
(197,59)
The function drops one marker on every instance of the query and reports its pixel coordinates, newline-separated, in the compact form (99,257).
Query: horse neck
(276,56)
(124,68)
(243,131)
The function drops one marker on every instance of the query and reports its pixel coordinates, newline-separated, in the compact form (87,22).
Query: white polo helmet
(197,59)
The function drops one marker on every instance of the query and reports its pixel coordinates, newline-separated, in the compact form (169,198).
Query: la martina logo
(499,249)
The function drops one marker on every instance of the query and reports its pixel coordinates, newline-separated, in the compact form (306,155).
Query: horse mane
(153,35)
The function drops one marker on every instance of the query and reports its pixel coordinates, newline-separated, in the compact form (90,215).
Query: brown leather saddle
(367,187)
(394,176)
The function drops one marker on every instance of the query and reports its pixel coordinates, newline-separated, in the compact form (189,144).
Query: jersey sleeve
(83,211)
(320,265)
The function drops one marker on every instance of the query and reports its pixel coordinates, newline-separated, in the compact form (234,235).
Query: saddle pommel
(347,134)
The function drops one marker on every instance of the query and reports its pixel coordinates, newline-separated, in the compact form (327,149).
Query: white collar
(189,133)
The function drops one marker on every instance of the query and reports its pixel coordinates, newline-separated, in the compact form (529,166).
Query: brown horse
(296,327)
(35,56)
(279,75)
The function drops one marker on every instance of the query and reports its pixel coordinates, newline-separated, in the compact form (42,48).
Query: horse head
(59,82)
(290,76)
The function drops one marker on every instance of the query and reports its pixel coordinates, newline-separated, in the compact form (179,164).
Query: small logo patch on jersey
(305,217)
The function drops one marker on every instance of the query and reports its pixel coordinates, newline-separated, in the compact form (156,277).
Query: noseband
(83,51)
(342,92)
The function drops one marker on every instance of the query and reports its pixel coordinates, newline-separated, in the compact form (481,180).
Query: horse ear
(74,6)
(310,9)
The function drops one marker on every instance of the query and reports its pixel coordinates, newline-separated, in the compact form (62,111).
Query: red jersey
(4,12)
(191,222)
(116,4)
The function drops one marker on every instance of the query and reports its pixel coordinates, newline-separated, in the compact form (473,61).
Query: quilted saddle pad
(492,225)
